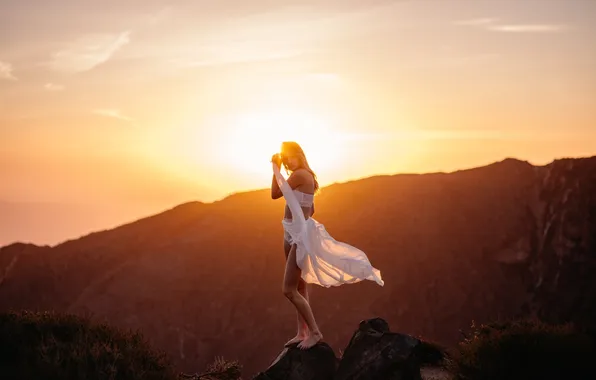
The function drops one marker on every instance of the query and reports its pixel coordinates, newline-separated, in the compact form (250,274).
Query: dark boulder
(376,353)
(316,363)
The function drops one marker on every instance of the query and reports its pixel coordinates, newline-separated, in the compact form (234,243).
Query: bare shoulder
(306,180)
(304,175)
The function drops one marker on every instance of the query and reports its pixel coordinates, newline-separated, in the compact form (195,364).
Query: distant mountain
(203,280)
(52,222)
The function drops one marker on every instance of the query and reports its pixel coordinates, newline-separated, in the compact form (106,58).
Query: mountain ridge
(204,279)
(233,196)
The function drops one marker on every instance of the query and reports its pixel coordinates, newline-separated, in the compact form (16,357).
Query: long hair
(293,149)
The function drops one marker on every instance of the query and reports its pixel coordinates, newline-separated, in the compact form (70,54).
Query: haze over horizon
(121,110)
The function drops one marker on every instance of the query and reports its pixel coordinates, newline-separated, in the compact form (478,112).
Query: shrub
(61,346)
(524,349)
(225,370)
(220,369)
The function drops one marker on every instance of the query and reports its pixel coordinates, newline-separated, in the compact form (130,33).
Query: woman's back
(304,192)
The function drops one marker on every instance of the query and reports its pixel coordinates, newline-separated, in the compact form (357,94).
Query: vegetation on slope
(36,345)
(61,346)
(524,349)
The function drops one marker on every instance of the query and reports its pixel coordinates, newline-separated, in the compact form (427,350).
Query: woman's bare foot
(296,339)
(300,335)
(311,340)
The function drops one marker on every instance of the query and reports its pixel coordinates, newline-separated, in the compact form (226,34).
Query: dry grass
(524,349)
(61,346)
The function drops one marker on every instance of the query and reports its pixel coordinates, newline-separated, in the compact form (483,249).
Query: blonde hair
(293,149)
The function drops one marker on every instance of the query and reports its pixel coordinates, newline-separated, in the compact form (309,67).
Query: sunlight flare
(253,137)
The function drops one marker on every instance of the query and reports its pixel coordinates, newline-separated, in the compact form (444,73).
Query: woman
(312,255)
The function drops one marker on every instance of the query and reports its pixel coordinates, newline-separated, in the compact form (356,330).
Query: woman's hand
(276,159)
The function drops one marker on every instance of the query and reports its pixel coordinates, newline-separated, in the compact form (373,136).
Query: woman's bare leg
(290,290)
(303,290)
(302,326)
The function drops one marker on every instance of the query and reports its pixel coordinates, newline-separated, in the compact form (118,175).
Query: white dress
(323,260)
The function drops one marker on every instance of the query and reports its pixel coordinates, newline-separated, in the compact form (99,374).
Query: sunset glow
(256,136)
(129,108)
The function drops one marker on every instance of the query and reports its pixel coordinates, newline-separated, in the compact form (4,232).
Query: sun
(251,139)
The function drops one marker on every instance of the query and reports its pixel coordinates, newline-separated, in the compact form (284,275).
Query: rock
(434,373)
(317,363)
(563,260)
(376,353)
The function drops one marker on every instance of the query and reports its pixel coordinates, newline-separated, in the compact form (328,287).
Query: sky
(132,107)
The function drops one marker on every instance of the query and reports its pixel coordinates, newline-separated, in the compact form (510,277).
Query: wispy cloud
(223,55)
(453,60)
(476,21)
(527,28)
(53,87)
(490,24)
(111,112)
(6,71)
(88,52)
(464,60)
(438,134)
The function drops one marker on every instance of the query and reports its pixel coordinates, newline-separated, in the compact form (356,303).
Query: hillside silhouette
(204,280)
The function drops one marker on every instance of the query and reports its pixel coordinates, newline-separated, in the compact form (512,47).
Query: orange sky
(133,107)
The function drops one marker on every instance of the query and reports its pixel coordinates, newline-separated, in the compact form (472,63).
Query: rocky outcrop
(317,363)
(553,244)
(563,259)
(374,352)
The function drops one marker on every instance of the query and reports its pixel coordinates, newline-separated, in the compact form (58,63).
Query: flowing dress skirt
(323,260)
